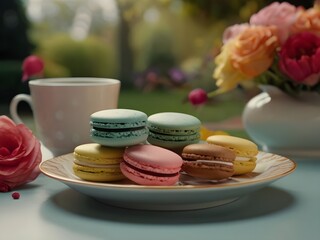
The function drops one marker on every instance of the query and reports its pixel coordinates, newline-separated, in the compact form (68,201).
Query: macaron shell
(243,167)
(119,118)
(242,147)
(213,172)
(94,153)
(173,123)
(146,179)
(208,152)
(97,174)
(149,157)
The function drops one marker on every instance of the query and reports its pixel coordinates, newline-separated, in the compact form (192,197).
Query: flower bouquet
(279,46)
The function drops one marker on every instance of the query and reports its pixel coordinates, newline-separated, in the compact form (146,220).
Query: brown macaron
(208,161)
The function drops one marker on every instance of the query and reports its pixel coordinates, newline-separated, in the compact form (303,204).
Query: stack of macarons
(126,131)
(112,131)
(155,163)
(154,150)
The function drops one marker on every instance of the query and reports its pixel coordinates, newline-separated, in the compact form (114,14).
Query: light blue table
(287,209)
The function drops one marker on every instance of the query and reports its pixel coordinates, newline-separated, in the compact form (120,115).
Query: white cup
(62,108)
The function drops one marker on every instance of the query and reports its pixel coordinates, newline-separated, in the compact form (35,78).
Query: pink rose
(20,155)
(32,66)
(300,58)
(281,15)
(233,31)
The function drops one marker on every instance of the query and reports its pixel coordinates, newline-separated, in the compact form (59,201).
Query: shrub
(91,57)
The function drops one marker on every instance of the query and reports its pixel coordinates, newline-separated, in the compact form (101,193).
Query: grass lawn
(219,109)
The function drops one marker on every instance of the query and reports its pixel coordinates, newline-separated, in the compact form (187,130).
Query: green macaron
(118,127)
(173,130)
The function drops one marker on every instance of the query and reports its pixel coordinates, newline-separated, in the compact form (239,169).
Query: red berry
(32,66)
(15,195)
(198,96)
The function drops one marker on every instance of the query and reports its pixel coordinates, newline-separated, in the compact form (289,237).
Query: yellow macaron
(97,163)
(246,152)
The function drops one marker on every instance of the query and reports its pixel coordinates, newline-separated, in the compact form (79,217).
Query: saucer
(189,193)
(295,153)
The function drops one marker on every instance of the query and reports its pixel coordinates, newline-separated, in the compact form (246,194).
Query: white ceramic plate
(187,194)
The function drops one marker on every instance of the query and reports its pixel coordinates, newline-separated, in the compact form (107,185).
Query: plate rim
(110,185)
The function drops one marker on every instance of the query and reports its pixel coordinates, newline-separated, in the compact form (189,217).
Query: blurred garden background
(159,49)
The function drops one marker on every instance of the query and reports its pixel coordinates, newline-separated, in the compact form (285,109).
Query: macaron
(208,161)
(151,165)
(118,127)
(173,130)
(245,150)
(97,163)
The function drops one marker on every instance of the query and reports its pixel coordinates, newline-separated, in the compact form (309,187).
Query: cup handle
(14,106)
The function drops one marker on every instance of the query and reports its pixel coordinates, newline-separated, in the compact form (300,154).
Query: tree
(14,41)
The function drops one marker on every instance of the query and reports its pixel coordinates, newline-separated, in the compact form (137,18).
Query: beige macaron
(208,161)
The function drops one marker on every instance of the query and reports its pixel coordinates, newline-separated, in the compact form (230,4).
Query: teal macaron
(173,130)
(118,127)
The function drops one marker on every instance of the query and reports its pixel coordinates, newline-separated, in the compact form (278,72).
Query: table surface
(48,209)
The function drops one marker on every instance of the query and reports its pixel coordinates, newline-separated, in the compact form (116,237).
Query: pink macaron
(151,165)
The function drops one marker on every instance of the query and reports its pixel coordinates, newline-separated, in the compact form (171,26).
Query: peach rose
(245,57)
(281,15)
(20,155)
(308,20)
(254,50)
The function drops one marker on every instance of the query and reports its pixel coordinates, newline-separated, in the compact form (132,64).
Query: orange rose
(308,20)
(246,56)
(255,49)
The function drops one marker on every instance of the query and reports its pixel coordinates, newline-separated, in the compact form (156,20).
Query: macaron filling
(116,125)
(243,159)
(86,164)
(117,133)
(118,129)
(158,130)
(211,162)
